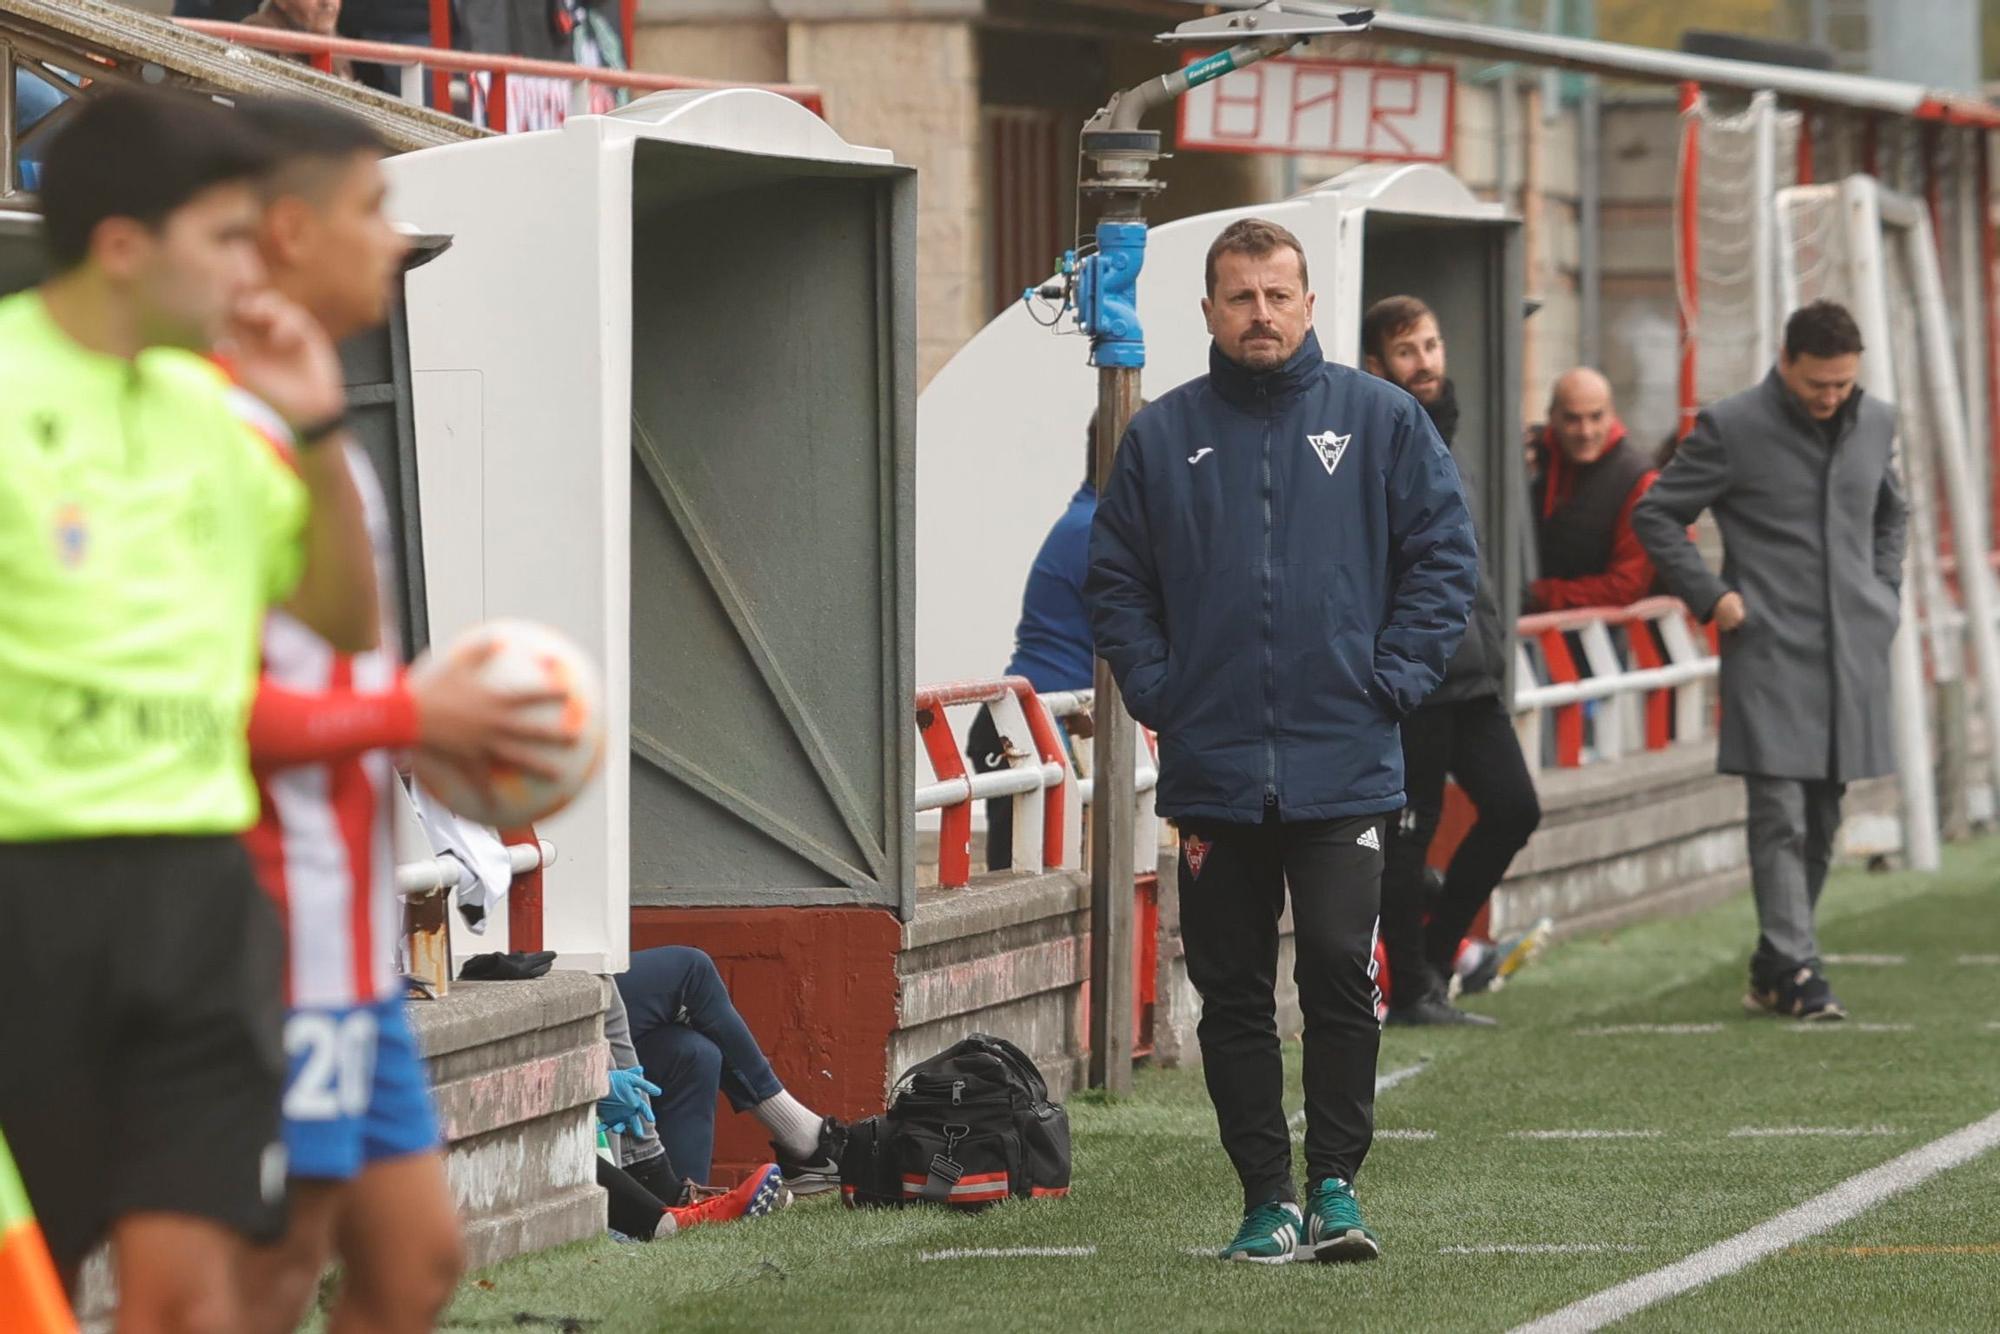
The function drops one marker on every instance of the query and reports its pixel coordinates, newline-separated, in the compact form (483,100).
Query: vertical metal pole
(441,40)
(1590,204)
(1989,304)
(1860,215)
(1968,514)
(1589,224)
(9,121)
(1113,811)
(1763,202)
(1689,250)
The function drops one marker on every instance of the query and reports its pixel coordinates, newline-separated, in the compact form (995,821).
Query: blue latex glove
(628,1108)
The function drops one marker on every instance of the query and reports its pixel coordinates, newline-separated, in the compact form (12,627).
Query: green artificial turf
(1152,1184)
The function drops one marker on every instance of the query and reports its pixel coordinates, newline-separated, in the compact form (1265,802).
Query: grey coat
(1813,540)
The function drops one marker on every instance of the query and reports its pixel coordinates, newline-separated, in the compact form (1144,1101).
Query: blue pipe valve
(1107,295)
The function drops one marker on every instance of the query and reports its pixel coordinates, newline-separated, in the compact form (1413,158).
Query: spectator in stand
(317,17)
(1588,476)
(398,22)
(1051,643)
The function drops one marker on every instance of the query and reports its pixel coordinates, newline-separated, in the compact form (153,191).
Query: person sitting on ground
(676,1042)
(648,1197)
(1588,476)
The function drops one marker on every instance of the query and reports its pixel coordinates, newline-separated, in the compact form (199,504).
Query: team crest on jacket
(1329,447)
(1196,849)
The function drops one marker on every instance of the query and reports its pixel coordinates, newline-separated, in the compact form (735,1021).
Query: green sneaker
(1334,1230)
(1269,1235)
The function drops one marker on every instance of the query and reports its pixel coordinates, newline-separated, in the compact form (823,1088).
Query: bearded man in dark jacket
(1464,730)
(1280,567)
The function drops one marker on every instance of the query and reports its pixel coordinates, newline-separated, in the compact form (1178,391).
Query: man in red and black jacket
(1588,476)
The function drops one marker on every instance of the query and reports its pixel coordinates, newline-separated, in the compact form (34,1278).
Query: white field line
(1541,1248)
(1852,1027)
(1650,1030)
(1011,1253)
(1406,1134)
(1993,1024)
(1866,960)
(1788,1132)
(1583,1134)
(1979,960)
(1383,1083)
(1850,1199)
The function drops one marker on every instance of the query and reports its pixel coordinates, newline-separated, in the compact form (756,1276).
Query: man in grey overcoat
(1798,472)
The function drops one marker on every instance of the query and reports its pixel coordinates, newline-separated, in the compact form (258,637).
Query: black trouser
(982,747)
(1472,741)
(1232,888)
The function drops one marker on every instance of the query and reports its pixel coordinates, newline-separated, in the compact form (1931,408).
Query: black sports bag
(967,1128)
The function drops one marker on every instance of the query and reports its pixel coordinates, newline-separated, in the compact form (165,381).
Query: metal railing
(426,885)
(1040,777)
(487,84)
(1645,666)
(1038,825)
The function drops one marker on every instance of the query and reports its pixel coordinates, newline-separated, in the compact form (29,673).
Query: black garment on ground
(630,1207)
(1232,890)
(518,966)
(1479,666)
(216,11)
(1472,741)
(142,1057)
(982,748)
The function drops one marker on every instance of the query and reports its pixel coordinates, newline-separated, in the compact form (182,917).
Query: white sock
(794,1126)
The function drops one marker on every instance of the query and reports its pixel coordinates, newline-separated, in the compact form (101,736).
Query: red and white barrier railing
(1036,781)
(1647,666)
(1047,779)
(503,93)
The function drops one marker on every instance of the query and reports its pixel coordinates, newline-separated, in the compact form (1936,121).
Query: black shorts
(141,1048)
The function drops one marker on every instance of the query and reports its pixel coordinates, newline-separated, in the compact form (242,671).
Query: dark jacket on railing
(1812,521)
(1280,567)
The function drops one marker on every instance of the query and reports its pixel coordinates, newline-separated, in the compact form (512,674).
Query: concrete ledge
(551,1221)
(475,1014)
(1007,955)
(517,1068)
(992,902)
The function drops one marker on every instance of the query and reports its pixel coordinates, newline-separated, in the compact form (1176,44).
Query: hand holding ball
(511,722)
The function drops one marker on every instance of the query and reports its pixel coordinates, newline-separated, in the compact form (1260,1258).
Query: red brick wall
(818,988)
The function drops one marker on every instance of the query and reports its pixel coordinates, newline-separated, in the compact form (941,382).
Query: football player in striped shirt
(367,1167)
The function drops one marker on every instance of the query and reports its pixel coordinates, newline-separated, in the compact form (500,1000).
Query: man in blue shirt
(1051,644)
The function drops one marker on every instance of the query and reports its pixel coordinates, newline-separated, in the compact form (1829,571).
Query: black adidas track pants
(1232,891)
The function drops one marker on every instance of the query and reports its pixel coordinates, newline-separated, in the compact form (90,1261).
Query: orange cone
(31,1296)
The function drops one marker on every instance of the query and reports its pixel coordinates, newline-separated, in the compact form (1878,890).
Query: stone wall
(516,1069)
(1007,955)
(914,87)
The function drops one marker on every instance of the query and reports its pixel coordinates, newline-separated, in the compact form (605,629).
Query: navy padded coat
(1280,568)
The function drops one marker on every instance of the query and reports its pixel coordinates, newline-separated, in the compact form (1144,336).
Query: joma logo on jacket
(1275,612)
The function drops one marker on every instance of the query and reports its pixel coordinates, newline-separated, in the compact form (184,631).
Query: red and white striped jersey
(320,734)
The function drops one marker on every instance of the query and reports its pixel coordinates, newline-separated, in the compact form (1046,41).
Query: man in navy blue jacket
(1280,567)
